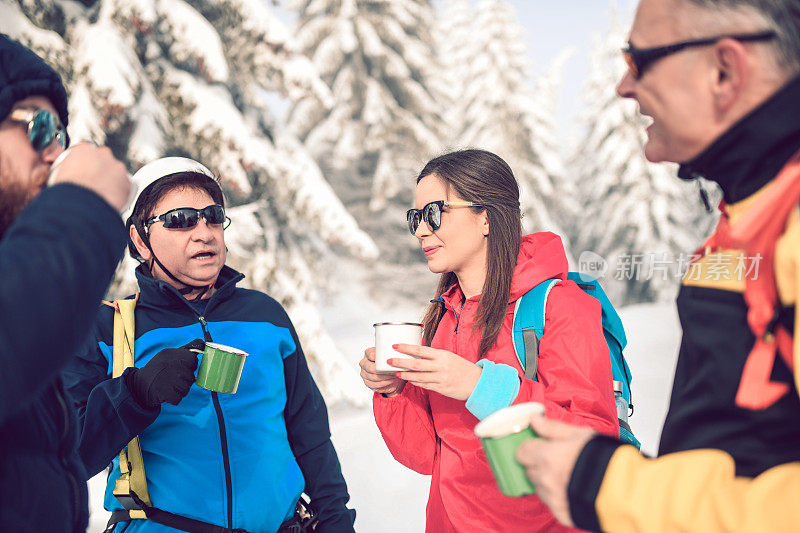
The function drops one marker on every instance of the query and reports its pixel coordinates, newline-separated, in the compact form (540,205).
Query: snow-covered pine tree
(455,50)
(377,58)
(504,113)
(165,77)
(549,143)
(636,215)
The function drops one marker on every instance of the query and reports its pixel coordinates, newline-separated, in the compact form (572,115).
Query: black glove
(167,377)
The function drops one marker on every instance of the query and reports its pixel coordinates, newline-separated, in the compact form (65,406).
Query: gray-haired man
(719,78)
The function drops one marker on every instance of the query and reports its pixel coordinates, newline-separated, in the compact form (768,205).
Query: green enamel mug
(501,433)
(220,368)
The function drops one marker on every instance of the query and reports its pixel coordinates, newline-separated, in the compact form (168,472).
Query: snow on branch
(194,40)
(106,61)
(45,43)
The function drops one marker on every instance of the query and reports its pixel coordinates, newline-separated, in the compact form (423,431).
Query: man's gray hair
(782,16)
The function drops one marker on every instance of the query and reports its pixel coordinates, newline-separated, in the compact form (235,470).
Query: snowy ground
(390,498)
(653,337)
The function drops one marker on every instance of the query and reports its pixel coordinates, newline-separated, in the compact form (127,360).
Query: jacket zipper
(76,504)
(458,315)
(217,407)
(222,433)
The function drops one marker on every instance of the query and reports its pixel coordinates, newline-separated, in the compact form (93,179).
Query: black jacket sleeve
(108,415)
(310,440)
(56,262)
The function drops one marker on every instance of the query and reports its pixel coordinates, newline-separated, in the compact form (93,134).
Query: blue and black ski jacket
(238,461)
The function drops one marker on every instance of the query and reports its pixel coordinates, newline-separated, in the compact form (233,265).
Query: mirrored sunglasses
(43,127)
(432,214)
(188,217)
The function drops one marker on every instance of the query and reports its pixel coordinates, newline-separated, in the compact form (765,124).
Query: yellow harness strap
(132,477)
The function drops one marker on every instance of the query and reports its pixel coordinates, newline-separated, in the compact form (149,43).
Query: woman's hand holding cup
(440,371)
(381,382)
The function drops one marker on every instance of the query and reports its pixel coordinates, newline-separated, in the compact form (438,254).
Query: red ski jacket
(433,434)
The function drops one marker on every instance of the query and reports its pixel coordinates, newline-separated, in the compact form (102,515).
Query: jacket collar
(160,293)
(541,257)
(752,152)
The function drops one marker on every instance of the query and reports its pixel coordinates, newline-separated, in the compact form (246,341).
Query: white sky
(553,25)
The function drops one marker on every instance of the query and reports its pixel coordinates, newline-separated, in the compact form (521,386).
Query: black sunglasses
(432,214)
(188,217)
(43,127)
(639,59)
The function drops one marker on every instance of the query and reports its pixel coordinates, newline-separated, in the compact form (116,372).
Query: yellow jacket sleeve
(695,491)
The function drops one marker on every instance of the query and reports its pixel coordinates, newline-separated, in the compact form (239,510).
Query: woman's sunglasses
(188,217)
(432,214)
(43,127)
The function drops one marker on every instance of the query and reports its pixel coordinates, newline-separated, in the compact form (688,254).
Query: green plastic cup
(501,433)
(220,368)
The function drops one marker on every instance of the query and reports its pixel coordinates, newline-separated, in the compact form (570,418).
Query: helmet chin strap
(187,288)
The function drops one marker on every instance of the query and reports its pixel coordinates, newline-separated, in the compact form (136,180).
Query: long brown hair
(483,178)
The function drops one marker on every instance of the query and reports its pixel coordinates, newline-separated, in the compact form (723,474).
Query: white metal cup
(63,155)
(389,333)
(57,163)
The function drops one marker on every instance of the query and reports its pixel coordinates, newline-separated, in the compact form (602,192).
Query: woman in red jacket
(467,221)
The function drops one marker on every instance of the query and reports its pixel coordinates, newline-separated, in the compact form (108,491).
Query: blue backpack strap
(528,326)
(626,435)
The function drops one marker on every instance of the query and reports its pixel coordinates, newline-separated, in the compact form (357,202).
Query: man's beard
(13,200)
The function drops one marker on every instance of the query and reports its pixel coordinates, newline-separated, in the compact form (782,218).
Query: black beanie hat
(24,74)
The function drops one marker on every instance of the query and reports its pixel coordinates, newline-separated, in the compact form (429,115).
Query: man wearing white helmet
(213,462)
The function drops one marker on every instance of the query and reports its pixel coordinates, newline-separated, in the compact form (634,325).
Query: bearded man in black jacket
(60,242)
